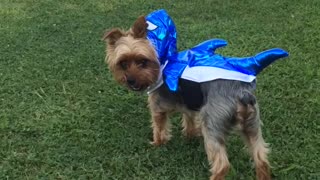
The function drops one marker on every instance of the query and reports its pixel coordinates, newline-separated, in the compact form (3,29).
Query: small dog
(224,104)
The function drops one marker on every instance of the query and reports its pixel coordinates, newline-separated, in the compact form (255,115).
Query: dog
(212,110)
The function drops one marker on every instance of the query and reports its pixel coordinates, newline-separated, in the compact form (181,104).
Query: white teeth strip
(134,88)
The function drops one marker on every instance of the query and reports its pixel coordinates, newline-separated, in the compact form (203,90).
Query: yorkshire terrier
(224,104)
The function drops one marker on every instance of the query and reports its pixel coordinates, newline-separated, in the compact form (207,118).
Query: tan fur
(191,125)
(139,27)
(161,128)
(129,45)
(259,150)
(243,112)
(217,156)
(125,46)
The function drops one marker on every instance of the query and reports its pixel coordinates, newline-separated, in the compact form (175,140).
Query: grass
(63,117)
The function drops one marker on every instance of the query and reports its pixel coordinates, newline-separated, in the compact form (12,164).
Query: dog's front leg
(161,128)
(191,125)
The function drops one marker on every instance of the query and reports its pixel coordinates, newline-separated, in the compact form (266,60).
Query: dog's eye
(143,63)
(123,65)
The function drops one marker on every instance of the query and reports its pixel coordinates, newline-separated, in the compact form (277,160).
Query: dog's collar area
(155,86)
(159,82)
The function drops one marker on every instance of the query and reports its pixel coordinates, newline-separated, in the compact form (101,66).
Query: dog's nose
(131,81)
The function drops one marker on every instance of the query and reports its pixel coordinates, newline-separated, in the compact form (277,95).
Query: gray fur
(227,105)
(218,113)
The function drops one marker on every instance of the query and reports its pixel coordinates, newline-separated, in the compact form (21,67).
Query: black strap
(191,94)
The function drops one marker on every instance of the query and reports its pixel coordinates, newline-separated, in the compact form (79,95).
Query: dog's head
(131,57)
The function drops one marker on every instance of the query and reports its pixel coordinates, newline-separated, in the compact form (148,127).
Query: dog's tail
(247,98)
(246,106)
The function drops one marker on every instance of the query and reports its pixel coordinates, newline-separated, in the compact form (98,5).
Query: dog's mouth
(137,88)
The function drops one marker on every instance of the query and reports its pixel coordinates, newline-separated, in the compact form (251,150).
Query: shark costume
(200,63)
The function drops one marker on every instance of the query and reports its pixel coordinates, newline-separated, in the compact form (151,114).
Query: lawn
(63,117)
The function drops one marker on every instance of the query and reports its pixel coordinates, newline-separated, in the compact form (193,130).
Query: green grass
(63,117)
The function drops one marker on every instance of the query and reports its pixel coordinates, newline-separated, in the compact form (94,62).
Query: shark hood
(201,63)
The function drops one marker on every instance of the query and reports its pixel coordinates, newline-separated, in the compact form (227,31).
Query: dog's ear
(139,28)
(112,36)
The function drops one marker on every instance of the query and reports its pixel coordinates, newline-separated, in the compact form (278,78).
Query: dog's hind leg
(214,130)
(217,157)
(257,146)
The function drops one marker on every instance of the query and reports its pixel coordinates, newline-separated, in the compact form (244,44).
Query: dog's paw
(154,143)
(158,143)
(191,133)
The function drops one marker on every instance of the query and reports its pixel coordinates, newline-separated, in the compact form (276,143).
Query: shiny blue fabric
(164,36)
(204,55)
(164,39)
